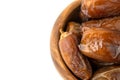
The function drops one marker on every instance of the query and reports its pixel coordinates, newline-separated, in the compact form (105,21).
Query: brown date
(75,61)
(101,44)
(108,23)
(100,8)
(75,28)
(107,73)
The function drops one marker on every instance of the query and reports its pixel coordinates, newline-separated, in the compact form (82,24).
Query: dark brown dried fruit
(101,44)
(75,61)
(108,23)
(75,28)
(100,8)
(107,73)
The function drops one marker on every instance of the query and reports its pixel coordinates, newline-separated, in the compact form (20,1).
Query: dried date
(101,44)
(107,73)
(100,8)
(75,61)
(107,23)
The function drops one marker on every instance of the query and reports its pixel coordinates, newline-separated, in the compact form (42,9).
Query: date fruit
(76,62)
(107,73)
(101,44)
(75,28)
(108,23)
(100,8)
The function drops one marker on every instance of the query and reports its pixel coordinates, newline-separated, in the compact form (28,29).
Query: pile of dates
(91,49)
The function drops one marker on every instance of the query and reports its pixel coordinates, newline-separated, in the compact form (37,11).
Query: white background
(25,27)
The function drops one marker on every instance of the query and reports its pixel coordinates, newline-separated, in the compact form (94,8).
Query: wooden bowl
(71,13)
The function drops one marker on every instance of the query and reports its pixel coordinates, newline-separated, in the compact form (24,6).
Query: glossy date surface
(107,23)
(75,61)
(100,8)
(101,44)
(107,73)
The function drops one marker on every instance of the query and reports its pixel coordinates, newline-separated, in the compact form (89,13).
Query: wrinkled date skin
(75,28)
(107,73)
(108,23)
(101,44)
(75,61)
(100,8)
